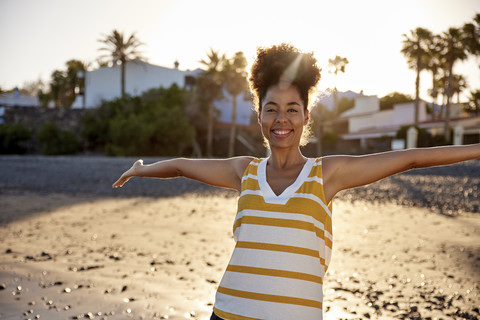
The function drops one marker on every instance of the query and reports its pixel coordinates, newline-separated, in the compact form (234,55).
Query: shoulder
(240,164)
(330,165)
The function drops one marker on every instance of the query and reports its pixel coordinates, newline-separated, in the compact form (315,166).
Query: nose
(281,117)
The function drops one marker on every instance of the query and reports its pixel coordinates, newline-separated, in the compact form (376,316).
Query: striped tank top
(283,248)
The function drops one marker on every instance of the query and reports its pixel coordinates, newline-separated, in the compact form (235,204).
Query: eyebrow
(292,103)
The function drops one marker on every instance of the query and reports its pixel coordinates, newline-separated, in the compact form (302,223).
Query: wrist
(139,170)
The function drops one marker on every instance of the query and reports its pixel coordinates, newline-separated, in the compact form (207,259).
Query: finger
(118,183)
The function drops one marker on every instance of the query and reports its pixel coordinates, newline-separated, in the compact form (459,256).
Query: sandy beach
(83,254)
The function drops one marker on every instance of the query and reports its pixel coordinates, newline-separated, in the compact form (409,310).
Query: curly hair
(283,63)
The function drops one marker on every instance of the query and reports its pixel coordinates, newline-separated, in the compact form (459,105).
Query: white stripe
(277,260)
(264,309)
(279,235)
(328,255)
(294,288)
(249,176)
(315,178)
(319,163)
(276,200)
(280,215)
(251,192)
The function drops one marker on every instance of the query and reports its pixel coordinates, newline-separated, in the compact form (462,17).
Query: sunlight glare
(335,314)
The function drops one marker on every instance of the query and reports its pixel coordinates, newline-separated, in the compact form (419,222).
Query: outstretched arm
(344,172)
(225,173)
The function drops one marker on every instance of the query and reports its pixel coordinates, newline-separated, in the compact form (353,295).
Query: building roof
(16,99)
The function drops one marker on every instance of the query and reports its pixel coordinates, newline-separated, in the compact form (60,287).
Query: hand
(127,175)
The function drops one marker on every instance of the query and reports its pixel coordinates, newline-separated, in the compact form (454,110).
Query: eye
(269,110)
(292,110)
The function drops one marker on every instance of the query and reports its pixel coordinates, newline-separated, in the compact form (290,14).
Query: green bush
(330,139)
(54,141)
(14,138)
(151,125)
(439,140)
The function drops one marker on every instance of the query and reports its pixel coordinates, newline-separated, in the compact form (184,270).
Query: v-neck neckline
(267,192)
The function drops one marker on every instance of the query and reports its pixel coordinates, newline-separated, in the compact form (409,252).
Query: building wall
(405,113)
(244,109)
(367,104)
(20,100)
(384,118)
(105,83)
(369,116)
(34,118)
(356,124)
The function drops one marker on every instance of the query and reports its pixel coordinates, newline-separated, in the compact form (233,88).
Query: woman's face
(283,116)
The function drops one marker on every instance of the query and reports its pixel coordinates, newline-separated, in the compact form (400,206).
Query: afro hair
(283,63)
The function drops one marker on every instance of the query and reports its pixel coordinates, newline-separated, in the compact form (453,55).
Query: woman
(283,227)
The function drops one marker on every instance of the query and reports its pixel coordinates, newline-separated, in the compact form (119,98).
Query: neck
(282,158)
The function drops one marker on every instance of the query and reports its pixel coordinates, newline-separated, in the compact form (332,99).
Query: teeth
(280,132)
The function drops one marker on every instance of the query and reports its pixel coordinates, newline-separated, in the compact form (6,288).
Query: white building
(16,99)
(244,108)
(366,122)
(140,76)
(367,116)
(105,84)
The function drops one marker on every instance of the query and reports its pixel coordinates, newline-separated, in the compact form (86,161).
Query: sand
(66,256)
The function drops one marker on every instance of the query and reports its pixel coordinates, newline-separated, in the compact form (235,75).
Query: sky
(40,36)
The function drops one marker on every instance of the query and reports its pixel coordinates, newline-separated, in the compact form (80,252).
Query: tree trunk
(447,106)
(210,129)
(417,93)
(233,128)
(123,77)
(434,95)
(319,134)
(335,104)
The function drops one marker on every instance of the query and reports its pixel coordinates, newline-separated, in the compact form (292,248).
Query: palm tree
(235,79)
(210,85)
(434,64)
(459,84)
(337,64)
(121,51)
(454,50)
(415,48)
(474,103)
(75,85)
(441,88)
(58,84)
(471,33)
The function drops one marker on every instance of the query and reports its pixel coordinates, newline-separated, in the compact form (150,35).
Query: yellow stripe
(250,184)
(252,168)
(284,223)
(316,170)
(276,273)
(314,188)
(270,298)
(294,205)
(231,316)
(277,247)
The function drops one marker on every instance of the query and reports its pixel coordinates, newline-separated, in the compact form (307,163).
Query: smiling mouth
(281,133)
